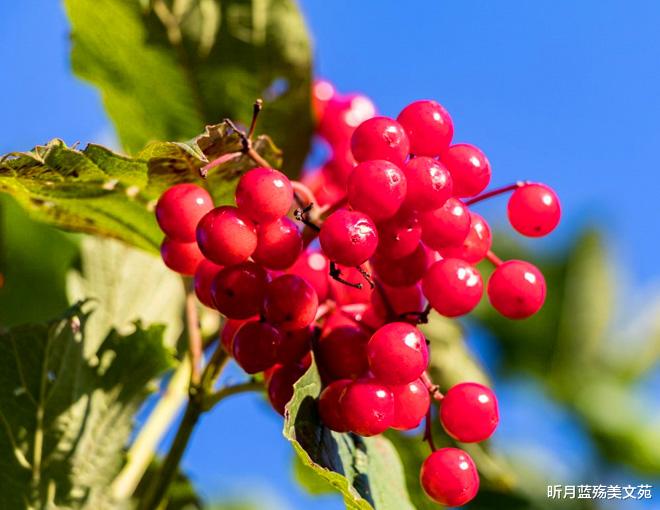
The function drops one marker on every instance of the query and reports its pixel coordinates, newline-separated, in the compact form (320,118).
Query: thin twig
(335,274)
(494,259)
(495,192)
(194,334)
(301,215)
(428,432)
(251,385)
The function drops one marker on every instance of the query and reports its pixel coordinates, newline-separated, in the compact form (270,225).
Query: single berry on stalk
(429,127)
(380,138)
(476,244)
(238,291)
(453,287)
(226,236)
(429,184)
(517,289)
(534,210)
(348,237)
(264,194)
(377,188)
(397,353)
(469,168)
(329,408)
(255,346)
(367,407)
(449,477)
(290,302)
(469,413)
(182,258)
(279,243)
(180,208)
(447,226)
(411,403)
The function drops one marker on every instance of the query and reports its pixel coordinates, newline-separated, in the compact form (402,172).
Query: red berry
(411,403)
(229,329)
(449,477)
(278,244)
(429,127)
(348,237)
(399,235)
(238,291)
(380,138)
(264,194)
(322,92)
(329,408)
(429,184)
(476,244)
(344,294)
(280,385)
(343,114)
(324,187)
(226,236)
(255,346)
(453,287)
(313,266)
(447,226)
(377,188)
(290,303)
(342,352)
(181,257)
(392,302)
(469,168)
(517,289)
(468,412)
(206,271)
(295,345)
(179,210)
(534,210)
(367,407)
(397,353)
(405,271)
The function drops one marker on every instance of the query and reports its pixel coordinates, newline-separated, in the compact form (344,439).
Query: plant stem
(227,391)
(494,259)
(194,333)
(495,192)
(434,389)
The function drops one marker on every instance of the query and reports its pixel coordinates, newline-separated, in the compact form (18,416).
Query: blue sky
(558,91)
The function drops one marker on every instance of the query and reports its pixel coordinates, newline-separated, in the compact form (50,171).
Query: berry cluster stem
(434,389)
(194,333)
(428,432)
(495,192)
(335,274)
(494,259)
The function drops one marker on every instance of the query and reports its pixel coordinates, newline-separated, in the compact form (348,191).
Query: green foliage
(366,471)
(66,416)
(166,68)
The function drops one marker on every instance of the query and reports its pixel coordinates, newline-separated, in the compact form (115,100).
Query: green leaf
(366,471)
(100,192)
(66,417)
(165,68)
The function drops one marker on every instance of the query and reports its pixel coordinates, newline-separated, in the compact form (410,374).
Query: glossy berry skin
(399,300)
(342,352)
(411,403)
(534,210)
(399,235)
(468,412)
(238,291)
(453,287)
(447,226)
(469,168)
(323,185)
(313,266)
(377,188)
(367,407)
(255,346)
(179,210)
(295,345)
(229,329)
(380,138)
(280,385)
(290,302)
(204,275)
(517,289)
(329,408)
(279,243)
(449,477)
(342,114)
(429,127)
(429,184)
(404,271)
(476,244)
(264,194)
(182,258)
(226,236)
(348,237)
(397,353)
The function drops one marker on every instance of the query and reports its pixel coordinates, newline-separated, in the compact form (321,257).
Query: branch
(194,333)
(227,391)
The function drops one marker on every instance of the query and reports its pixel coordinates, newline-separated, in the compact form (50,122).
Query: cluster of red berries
(390,237)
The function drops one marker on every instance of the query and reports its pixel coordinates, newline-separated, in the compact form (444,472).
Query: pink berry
(255,346)
(453,287)
(468,412)
(295,345)
(397,353)
(329,408)
(280,385)
(179,210)
(264,194)
(517,289)
(469,168)
(447,226)
(429,127)
(290,303)
(380,138)
(182,258)
(226,236)
(534,210)
(278,244)
(377,188)
(229,329)
(343,114)
(411,403)
(348,237)
(238,291)
(204,275)
(367,407)
(475,245)
(322,92)
(404,271)
(326,190)
(399,235)
(342,352)
(429,184)
(313,266)
(449,477)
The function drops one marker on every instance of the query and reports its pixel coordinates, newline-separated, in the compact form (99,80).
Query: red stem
(495,192)
(428,433)
(494,259)
(434,390)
